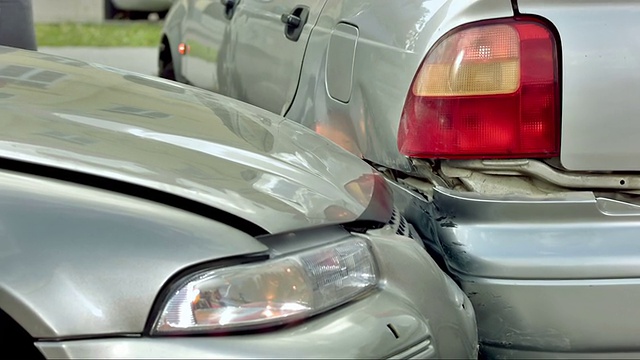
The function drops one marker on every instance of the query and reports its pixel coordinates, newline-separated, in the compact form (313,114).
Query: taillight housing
(486,90)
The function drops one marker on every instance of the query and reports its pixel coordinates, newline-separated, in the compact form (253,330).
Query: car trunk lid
(600,80)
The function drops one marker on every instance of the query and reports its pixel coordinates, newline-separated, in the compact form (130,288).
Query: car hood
(180,140)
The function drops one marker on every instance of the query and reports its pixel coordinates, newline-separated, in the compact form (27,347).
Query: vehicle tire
(138,15)
(110,11)
(165,61)
(168,72)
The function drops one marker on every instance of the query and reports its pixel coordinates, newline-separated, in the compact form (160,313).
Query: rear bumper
(554,277)
(556,318)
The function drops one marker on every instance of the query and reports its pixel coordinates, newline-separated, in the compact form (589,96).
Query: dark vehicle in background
(16,24)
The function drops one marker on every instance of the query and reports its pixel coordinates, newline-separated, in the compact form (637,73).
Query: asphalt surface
(141,60)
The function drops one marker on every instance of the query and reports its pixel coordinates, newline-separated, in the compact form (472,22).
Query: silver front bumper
(368,336)
(416,312)
(552,277)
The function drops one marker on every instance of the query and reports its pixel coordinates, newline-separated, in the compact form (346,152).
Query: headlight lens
(270,293)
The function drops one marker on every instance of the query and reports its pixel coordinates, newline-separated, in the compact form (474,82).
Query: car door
(267,45)
(205,27)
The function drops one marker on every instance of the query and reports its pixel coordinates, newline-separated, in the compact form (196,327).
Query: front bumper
(416,313)
(552,277)
(366,336)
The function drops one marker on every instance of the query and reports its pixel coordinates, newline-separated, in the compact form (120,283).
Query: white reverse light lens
(272,292)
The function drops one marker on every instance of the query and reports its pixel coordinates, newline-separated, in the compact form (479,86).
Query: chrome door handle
(229,7)
(294,22)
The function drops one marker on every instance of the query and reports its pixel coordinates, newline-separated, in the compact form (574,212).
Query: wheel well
(165,60)
(165,49)
(19,339)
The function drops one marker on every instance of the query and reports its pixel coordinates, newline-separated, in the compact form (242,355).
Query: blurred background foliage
(119,33)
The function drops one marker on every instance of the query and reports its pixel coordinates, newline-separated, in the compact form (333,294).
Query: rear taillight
(486,90)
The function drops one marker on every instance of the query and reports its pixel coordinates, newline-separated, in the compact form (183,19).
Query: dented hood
(183,141)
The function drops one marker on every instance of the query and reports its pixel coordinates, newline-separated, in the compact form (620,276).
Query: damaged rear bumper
(549,277)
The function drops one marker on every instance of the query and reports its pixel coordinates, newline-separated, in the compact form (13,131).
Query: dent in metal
(255,63)
(546,318)
(534,266)
(96,257)
(179,140)
(436,318)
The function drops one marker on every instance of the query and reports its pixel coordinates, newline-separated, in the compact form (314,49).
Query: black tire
(167,72)
(110,11)
(138,15)
(165,62)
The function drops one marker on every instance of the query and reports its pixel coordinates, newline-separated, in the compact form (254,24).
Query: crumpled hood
(180,140)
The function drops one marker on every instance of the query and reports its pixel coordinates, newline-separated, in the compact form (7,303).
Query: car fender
(392,41)
(172,30)
(79,261)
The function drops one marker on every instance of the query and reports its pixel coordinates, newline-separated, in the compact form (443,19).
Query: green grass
(117,33)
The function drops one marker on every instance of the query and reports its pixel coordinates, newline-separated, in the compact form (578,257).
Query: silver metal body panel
(393,40)
(176,139)
(415,298)
(82,267)
(543,273)
(257,33)
(600,81)
(78,261)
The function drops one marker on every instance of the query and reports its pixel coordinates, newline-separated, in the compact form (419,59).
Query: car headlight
(271,292)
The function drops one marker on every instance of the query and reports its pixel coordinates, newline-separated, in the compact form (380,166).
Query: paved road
(142,60)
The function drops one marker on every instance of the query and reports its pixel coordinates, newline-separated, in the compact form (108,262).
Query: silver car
(509,126)
(140,218)
(142,5)
(136,9)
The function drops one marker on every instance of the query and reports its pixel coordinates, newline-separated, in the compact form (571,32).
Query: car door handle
(229,7)
(291,20)
(294,22)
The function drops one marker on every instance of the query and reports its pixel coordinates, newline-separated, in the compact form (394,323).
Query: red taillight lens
(489,90)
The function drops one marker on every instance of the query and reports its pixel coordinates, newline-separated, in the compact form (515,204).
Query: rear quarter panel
(600,80)
(394,37)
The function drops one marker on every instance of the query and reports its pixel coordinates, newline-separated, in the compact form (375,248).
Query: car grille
(423,350)
(401,227)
